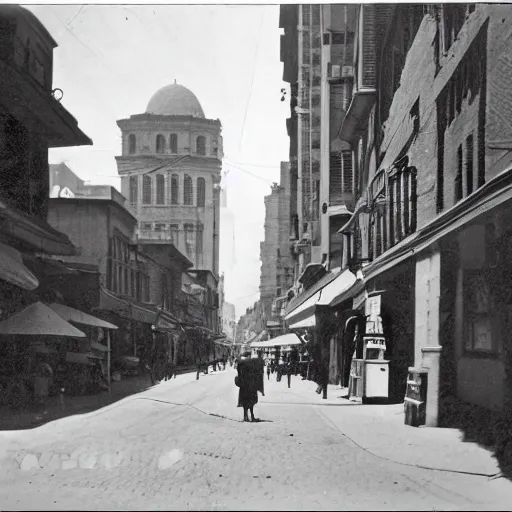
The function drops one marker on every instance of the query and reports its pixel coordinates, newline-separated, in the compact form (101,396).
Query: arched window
(134,189)
(160,189)
(160,143)
(146,190)
(173,143)
(199,244)
(132,144)
(201,145)
(175,184)
(187,190)
(200,191)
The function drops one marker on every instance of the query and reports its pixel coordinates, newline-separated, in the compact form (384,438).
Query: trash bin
(415,401)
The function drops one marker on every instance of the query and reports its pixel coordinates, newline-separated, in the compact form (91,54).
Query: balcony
(26,88)
(165,235)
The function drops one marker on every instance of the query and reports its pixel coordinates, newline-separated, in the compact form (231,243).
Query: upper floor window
(200,192)
(160,144)
(187,190)
(173,143)
(134,189)
(201,145)
(174,188)
(160,189)
(454,16)
(132,144)
(146,190)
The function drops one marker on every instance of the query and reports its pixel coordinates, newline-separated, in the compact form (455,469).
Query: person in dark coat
(250,380)
(323,377)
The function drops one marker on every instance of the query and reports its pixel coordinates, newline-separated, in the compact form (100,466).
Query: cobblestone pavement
(181,445)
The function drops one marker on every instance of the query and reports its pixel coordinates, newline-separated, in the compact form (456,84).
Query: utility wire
(252,82)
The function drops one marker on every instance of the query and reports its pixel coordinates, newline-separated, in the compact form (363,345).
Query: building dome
(175,100)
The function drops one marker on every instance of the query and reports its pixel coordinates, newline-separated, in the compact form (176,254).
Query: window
(454,16)
(159,226)
(459,192)
(160,189)
(173,143)
(146,226)
(201,145)
(119,270)
(174,188)
(347,172)
(174,233)
(187,190)
(160,144)
(189,238)
(199,243)
(200,192)
(339,38)
(134,189)
(478,312)
(469,164)
(146,190)
(132,144)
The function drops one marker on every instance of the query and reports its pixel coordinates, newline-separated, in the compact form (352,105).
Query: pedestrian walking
(249,381)
(323,377)
(289,371)
(268,370)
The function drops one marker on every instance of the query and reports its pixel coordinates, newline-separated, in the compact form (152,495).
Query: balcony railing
(164,235)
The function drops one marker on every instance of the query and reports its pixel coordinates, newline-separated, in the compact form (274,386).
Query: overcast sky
(111,59)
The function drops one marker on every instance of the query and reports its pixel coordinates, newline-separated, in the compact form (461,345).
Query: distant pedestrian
(268,370)
(323,377)
(289,371)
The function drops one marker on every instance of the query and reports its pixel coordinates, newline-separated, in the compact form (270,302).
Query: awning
(33,231)
(14,271)
(304,315)
(129,310)
(99,347)
(304,296)
(285,339)
(37,320)
(79,317)
(306,323)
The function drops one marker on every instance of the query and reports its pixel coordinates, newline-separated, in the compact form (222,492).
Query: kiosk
(375,367)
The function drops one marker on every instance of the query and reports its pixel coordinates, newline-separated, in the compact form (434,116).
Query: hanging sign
(372,306)
(375,342)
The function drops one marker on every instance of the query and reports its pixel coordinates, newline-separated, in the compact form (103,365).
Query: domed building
(170,171)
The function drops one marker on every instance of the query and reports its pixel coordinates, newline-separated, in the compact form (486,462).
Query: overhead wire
(252,81)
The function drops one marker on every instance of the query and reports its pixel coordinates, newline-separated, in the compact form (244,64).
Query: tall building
(276,261)
(170,171)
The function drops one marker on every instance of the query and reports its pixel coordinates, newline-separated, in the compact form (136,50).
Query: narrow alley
(182,445)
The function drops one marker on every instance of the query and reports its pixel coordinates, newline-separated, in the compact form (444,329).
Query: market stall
(23,375)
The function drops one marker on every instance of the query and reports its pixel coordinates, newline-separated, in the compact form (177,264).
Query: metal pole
(108,362)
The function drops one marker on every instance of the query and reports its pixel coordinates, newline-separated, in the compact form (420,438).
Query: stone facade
(170,173)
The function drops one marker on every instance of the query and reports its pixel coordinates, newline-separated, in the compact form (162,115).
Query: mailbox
(375,369)
(415,401)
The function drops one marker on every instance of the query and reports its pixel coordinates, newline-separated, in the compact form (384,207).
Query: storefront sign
(379,343)
(372,306)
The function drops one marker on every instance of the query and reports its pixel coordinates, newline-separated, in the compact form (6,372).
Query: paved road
(181,445)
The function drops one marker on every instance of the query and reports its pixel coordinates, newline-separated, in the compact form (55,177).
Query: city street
(181,445)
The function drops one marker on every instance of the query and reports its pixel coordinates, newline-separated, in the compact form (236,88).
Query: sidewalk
(380,429)
(36,415)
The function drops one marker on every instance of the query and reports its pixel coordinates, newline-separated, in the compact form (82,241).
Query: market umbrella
(39,319)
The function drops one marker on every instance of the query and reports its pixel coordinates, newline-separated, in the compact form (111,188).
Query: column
(427,351)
